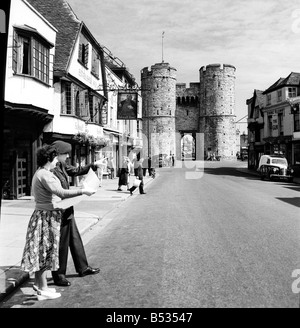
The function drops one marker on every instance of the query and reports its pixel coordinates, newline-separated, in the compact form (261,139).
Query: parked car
(274,167)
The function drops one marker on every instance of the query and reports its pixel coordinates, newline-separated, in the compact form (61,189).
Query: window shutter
(86,54)
(15,53)
(80,52)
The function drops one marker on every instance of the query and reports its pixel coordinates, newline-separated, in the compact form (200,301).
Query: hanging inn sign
(127,105)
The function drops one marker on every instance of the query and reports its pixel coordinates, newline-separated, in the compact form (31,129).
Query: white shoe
(46,295)
(52,290)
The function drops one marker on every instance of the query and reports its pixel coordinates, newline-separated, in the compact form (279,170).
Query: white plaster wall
(84,74)
(21,88)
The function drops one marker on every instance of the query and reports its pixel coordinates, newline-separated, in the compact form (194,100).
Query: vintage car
(274,167)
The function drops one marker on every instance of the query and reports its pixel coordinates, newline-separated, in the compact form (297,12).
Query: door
(21,177)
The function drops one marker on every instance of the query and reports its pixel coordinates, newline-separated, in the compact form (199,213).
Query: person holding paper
(69,234)
(43,233)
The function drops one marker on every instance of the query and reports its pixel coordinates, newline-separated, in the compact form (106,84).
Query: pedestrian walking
(139,176)
(135,164)
(124,174)
(149,166)
(69,234)
(101,167)
(41,251)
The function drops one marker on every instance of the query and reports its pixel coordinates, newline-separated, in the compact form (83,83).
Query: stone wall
(158,106)
(187,107)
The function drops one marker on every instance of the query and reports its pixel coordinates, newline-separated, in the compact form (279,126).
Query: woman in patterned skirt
(42,239)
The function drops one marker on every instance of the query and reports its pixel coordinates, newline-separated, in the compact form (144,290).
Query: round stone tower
(217,110)
(158,106)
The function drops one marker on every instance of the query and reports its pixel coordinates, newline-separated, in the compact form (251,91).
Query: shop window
(31,54)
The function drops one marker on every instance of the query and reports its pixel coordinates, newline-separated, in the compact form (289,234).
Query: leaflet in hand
(90,181)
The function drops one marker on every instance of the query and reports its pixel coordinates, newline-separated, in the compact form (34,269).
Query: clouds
(261,38)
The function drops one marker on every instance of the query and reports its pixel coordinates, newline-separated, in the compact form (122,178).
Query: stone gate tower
(217,110)
(158,105)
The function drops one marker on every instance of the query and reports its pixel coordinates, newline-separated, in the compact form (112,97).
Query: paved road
(225,240)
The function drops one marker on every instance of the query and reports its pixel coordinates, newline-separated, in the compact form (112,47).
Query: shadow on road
(293,201)
(230,171)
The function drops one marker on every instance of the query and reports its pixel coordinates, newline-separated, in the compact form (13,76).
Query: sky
(261,38)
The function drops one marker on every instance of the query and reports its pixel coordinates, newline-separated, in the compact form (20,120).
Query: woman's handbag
(136,182)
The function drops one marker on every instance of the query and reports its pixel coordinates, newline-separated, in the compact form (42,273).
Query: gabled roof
(257,95)
(260,98)
(60,14)
(293,79)
(274,86)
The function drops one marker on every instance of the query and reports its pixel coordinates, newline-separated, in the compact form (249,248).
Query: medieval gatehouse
(195,122)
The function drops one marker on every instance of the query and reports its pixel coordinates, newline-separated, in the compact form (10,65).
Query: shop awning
(28,111)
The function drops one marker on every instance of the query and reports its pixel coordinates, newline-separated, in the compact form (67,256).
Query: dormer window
(292,92)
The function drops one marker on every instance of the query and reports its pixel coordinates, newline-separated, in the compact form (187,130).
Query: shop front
(22,135)
(281,145)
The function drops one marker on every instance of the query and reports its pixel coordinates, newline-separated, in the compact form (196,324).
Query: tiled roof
(61,16)
(292,79)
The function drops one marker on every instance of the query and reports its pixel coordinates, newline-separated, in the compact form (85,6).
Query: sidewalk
(15,215)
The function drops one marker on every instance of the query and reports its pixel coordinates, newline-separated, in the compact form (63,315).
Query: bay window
(31,54)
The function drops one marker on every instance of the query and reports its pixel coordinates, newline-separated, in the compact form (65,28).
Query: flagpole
(162,46)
